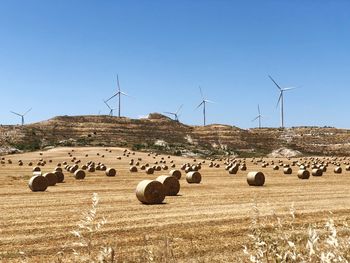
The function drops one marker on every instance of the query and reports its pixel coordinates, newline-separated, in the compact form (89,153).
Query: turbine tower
(204,101)
(110,109)
(21,115)
(175,114)
(281,99)
(259,117)
(119,94)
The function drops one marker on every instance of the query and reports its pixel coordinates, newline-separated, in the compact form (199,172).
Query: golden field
(206,222)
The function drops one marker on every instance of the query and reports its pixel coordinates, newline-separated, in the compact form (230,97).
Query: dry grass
(209,222)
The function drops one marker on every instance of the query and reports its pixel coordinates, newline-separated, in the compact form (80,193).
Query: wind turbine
(259,117)
(175,114)
(204,101)
(21,115)
(110,109)
(119,93)
(281,99)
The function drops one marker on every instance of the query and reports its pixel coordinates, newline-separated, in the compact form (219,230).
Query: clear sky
(62,58)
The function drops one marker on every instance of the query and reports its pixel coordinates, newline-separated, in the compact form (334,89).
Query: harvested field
(206,222)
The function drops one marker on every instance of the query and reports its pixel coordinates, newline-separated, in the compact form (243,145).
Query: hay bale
(133,169)
(91,169)
(79,174)
(171,184)
(60,176)
(193,177)
(175,173)
(164,167)
(255,178)
(38,183)
(287,170)
(36,169)
(338,170)
(233,169)
(111,172)
(243,168)
(149,170)
(347,168)
(58,169)
(150,192)
(276,167)
(317,172)
(51,178)
(303,174)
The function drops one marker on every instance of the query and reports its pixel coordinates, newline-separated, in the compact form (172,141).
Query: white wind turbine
(259,117)
(281,99)
(21,115)
(119,94)
(203,102)
(175,114)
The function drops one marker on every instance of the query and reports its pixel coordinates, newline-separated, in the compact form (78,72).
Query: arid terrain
(206,222)
(159,132)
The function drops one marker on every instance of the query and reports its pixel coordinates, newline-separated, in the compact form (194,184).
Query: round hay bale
(347,168)
(316,172)
(164,167)
(276,167)
(149,170)
(111,172)
(171,184)
(287,170)
(58,169)
(38,183)
(255,178)
(193,177)
(338,170)
(143,167)
(51,178)
(133,169)
(158,168)
(243,168)
(36,169)
(150,192)
(176,174)
(303,174)
(91,169)
(233,169)
(60,176)
(79,174)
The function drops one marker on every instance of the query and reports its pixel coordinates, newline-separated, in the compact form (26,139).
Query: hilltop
(158,132)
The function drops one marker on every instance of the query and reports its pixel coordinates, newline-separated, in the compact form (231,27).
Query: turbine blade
(112,97)
(107,104)
(255,118)
(279,99)
(16,113)
(209,101)
(118,83)
(200,104)
(259,109)
(290,88)
(171,113)
(200,90)
(123,93)
(275,83)
(179,109)
(27,111)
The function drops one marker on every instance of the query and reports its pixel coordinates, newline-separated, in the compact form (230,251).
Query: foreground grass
(276,239)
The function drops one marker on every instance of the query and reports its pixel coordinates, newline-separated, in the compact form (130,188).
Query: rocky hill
(161,133)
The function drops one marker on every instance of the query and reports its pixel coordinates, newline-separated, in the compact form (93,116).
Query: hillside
(161,133)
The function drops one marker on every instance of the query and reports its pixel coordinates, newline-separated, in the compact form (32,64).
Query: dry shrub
(278,241)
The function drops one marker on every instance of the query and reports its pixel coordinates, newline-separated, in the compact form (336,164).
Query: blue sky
(62,58)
